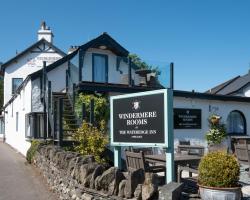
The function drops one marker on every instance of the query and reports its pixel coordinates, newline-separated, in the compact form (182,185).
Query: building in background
(36,80)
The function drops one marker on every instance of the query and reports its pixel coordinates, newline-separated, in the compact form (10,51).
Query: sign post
(143,119)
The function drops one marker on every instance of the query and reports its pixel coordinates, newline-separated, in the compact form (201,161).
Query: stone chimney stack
(45,33)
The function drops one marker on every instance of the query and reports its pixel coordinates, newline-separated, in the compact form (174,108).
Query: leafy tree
(141,64)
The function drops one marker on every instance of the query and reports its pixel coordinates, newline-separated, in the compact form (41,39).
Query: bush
(90,141)
(35,144)
(219,169)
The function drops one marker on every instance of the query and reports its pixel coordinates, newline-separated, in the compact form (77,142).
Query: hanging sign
(140,119)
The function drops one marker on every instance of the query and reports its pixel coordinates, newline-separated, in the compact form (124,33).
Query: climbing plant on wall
(101,108)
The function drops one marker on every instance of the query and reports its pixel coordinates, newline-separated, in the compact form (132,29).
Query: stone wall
(73,176)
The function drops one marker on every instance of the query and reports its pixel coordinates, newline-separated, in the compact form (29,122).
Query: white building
(100,65)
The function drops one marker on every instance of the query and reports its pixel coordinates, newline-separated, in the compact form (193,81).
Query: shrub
(90,141)
(219,169)
(35,144)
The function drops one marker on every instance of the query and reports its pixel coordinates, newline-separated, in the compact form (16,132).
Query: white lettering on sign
(138,118)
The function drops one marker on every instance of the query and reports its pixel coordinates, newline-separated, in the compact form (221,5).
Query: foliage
(35,144)
(217,130)
(101,108)
(143,65)
(91,141)
(219,169)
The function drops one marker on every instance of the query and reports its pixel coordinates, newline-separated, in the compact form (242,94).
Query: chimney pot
(45,33)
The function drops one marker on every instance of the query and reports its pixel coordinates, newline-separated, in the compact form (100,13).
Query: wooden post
(83,112)
(92,109)
(171,75)
(60,138)
(117,157)
(67,80)
(170,173)
(81,56)
(49,110)
(129,72)
(74,95)
(44,101)
(55,120)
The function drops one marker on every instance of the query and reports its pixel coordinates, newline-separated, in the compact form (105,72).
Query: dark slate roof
(109,42)
(206,96)
(232,86)
(6,64)
(218,88)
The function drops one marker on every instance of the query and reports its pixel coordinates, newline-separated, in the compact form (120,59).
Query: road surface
(19,180)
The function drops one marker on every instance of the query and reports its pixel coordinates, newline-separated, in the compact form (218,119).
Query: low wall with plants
(73,176)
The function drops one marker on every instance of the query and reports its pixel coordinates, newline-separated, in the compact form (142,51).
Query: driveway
(18,180)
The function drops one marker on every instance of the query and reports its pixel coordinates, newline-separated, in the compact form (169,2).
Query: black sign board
(187,118)
(139,119)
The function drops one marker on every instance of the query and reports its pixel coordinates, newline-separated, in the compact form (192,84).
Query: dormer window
(16,82)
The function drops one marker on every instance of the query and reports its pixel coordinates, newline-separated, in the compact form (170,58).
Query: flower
(217,131)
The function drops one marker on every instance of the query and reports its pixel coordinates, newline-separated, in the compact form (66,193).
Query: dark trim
(206,96)
(111,87)
(107,40)
(130,72)
(42,41)
(171,75)
(106,66)
(81,57)
(244,122)
(53,65)
(39,73)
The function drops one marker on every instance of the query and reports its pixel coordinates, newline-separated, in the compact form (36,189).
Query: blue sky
(209,41)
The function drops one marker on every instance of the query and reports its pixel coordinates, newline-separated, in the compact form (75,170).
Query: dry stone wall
(73,176)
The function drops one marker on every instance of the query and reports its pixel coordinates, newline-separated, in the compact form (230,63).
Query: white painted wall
(114,76)
(222,108)
(24,66)
(57,78)
(22,105)
(246,90)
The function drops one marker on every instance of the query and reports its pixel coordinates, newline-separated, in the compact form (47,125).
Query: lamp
(103,47)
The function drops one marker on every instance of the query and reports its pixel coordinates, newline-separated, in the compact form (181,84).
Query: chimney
(72,49)
(45,33)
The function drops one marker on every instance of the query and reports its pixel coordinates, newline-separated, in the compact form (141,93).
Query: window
(17,121)
(236,123)
(16,82)
(100,68)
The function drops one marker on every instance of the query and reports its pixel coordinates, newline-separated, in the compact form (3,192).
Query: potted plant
(218,176)
(216,134)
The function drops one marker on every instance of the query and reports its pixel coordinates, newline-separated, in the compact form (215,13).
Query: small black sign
(187,118)
(139,119)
